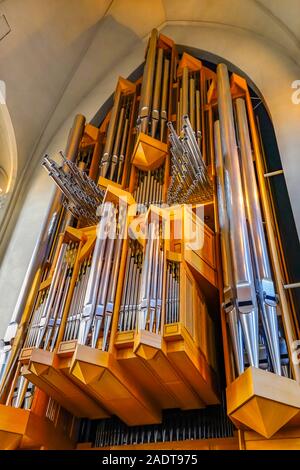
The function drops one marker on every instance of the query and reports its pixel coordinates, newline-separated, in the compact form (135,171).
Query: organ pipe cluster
(99,299)
(149,188)
(153,108)
(83,196)
(128,312)
(151,288)
(190,182)
(112,163)
(173,292)
(47,316)
(250,298)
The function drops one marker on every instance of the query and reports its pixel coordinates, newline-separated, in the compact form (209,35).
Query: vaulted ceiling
(52,41)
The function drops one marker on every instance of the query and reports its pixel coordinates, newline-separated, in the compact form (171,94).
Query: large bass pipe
(122,155)
(41,253)
(115,155)
(239,240)
(185,91)
(228,293)
(265,284)
(147,84)
(157,92)
(164,99)
(107,154)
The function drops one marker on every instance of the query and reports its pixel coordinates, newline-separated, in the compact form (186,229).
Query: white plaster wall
(269,68)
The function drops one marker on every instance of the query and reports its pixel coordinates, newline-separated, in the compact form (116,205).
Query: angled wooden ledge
(44,371)
(24,429)
(152,349)
(109,384)
(191,362)
(262,401)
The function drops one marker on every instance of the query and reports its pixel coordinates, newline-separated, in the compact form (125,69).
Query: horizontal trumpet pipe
(273,173)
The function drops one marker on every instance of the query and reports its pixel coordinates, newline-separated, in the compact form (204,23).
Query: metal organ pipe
(239,239)
(185,91)
(265,285)
(147,85)
(107,154)
(164,99)
(192,102)
(115,156)
(157,92)
(230,306)
(91,293)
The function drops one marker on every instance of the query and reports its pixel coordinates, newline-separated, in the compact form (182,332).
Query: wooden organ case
(128,319)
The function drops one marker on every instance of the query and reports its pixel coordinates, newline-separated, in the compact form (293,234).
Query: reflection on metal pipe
(107,154)
(265,285)
(157,92)
(239,240)
(229,294)
(150,292)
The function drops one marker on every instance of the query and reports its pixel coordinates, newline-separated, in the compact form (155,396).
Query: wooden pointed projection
(262,401)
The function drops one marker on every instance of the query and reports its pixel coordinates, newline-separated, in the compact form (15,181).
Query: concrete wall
(268,67)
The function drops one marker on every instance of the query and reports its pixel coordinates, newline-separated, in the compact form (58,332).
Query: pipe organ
(157,284)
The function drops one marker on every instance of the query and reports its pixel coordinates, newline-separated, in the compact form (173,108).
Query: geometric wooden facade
(262,401)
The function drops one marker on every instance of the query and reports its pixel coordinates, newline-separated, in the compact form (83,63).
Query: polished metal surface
(264,282)
(147,84)
(229,293)
(83,196)
(190,182)
(173,292)
(239,238)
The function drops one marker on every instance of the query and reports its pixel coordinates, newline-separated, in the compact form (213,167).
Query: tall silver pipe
(164,99)
(145,280)
(102,292)
(147,84)
(157,92)
(91,293)
(239,240)
(107,154)
(229,294)
(265,284)
(115,155)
